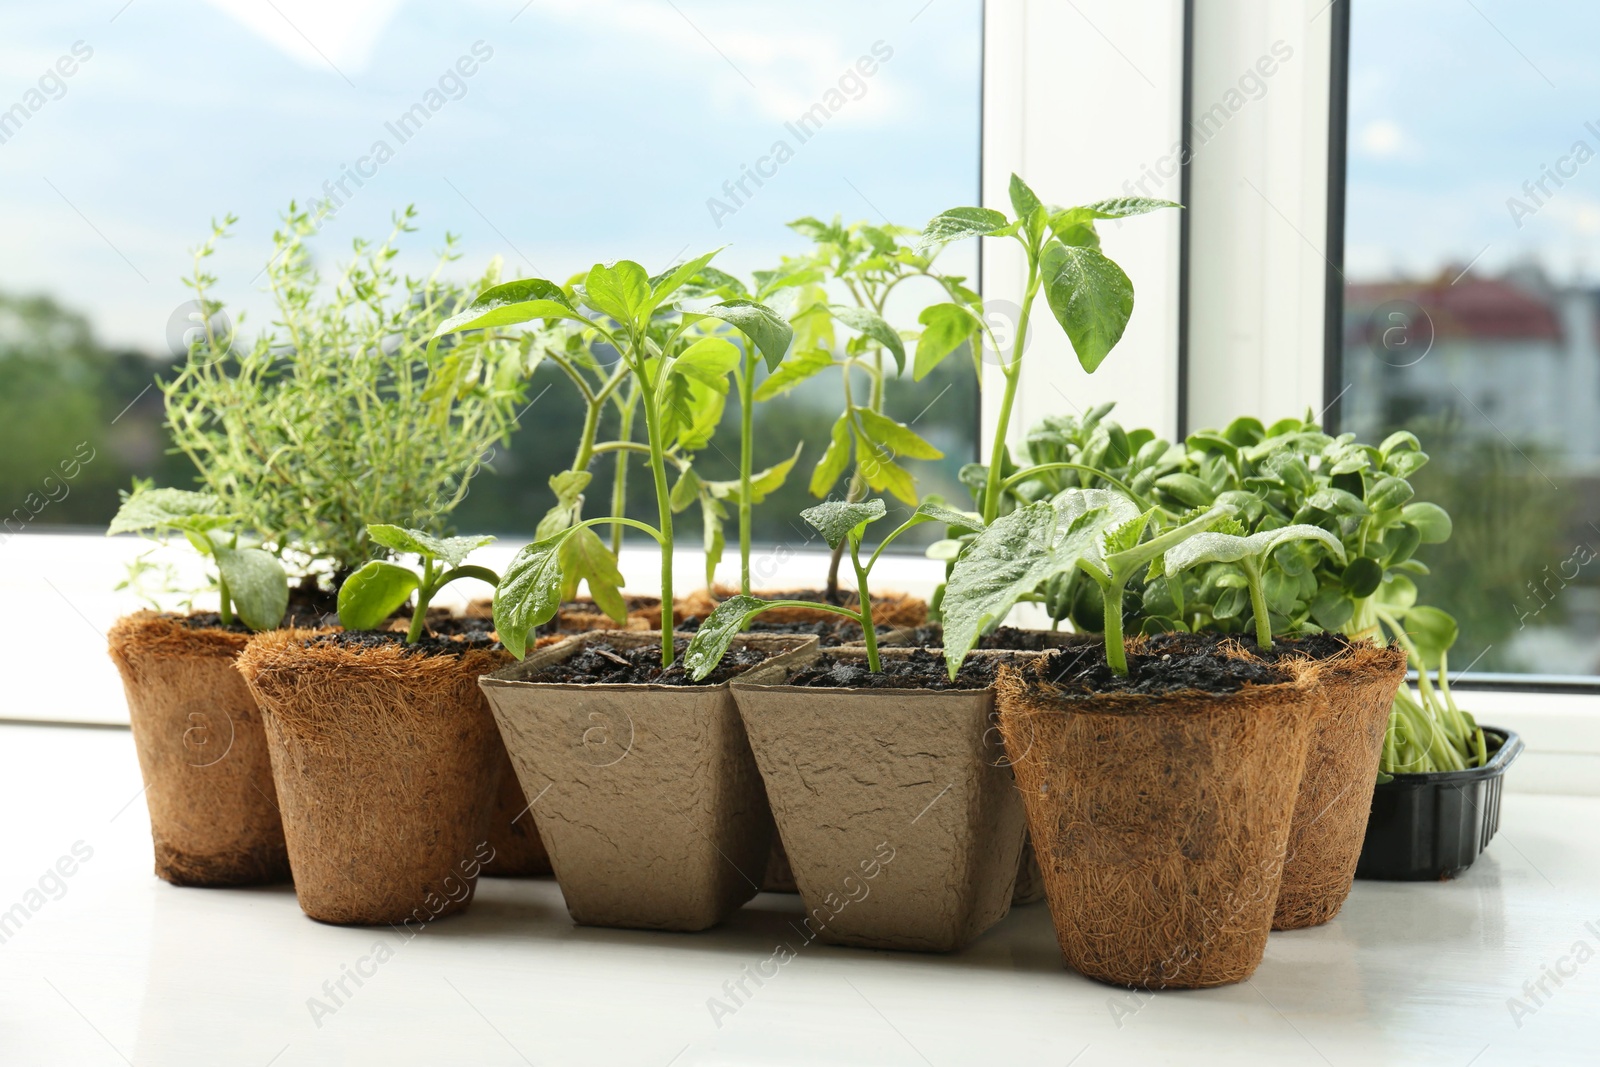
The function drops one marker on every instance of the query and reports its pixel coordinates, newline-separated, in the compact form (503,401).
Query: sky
(585,132)
(1454,105)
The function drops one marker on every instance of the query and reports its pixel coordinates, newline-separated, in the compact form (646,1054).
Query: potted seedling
(384,752)
(303,432)
(897,813)
(1158,776)
(202,753)
(866,264)
(650,804)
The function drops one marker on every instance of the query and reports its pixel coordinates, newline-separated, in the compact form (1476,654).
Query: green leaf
(1432,631)
(1431,521)
(529,593)
(965,521)
(1122,207)
(871,324)
(568,487)
(1362,577)
(664,285)
(769,331)
(899,438)
(584,557)
(708,360)
(693,409)
(948,326)
(621,290)
(834,460)
(257,585)
(835,519)
(762,482)
(1389,493)
(685,491)
(452,550)
(959,223)
(373,593)
(792,371)
(523,300)
(712,537)
(1090,296)
(1186,489)
(1332,609)
(1007,561)
(1228,548)
(168,509)
(1126,560)
(1023,200)
(710,642)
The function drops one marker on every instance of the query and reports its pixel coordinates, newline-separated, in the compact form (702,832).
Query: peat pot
(895,805)
(646,795)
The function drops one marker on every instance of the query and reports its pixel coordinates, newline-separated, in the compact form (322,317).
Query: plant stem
(225,612)
(1012,371)
(1116,656)
(619,480)
(1258,603)
(746,454)
(869,633)
(658,468)
(419,614)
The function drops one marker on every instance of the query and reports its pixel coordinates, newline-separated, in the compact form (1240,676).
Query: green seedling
(679,364)
(1088,294)
(378,589)
(869,263)
(1098,532)
(250,581)
(1252,554)
(841,523)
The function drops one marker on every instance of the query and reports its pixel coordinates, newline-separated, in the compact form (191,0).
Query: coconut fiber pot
(646,796)
(387,761)
(1160,822)
(513,836)
(897,811)
(1330,814)
(202,752)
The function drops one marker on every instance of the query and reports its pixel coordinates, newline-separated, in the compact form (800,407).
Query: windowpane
(1472,306)
(555,138)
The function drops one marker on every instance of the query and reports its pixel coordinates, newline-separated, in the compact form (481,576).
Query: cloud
(316,33)
(1385,139)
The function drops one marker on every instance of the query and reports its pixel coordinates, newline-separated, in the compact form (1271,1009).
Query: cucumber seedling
(1252,554)
(378,589)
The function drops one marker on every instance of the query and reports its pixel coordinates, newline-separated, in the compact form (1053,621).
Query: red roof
(1485,309)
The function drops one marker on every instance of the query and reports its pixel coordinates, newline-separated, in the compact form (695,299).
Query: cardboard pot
(1335,797)
(896,808)
(1160,822)
(386,761)
(646,796)
(202,753)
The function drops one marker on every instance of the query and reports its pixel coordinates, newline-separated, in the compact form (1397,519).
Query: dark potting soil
(828,634)
(920,669)
(210,620)
(431,644)
(1004,639)
(602,663)
(1310,646)
(1166,663)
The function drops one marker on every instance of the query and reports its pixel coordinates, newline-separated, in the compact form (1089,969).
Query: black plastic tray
(1428,827)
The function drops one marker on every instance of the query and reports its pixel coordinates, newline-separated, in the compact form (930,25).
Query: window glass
(1471,310)
(552,135)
